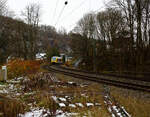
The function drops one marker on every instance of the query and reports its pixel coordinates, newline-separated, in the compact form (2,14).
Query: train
(56,60)
(59,60)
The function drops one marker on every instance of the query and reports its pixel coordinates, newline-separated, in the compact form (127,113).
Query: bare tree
(124,27)
(3,7)
(137,17)
(32,13)
(32,17)
(86,32)
(109,24)
(86,25)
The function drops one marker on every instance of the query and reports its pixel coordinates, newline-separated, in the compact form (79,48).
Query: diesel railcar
(56,60)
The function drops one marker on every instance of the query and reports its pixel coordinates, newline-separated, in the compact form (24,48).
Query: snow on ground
(63,99)
(89,104)
(114,109)
(62,105)
(14,89)
(36,112)
(79,104)
(10,87)
(72,105)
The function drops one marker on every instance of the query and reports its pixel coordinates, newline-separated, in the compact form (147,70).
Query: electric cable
(55,9)
(70,13)
(92,12)
(61,12)
(102,7)
(76,8)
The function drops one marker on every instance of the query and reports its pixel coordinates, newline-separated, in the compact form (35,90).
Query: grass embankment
(10,107)
(37,89)
(88,93)
(74,94)
(136,103)
(18,68)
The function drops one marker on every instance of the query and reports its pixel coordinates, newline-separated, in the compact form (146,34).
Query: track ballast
(99,78)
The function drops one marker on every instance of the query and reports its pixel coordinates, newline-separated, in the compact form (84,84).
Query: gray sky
(71,14)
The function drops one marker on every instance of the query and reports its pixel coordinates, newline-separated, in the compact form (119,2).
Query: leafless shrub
(38,81)
(10,108)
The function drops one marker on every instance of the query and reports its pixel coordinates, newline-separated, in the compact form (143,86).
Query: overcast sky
(71,13)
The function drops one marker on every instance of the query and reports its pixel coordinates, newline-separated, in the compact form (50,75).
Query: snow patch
(97,104)
(72,105)
(79,104)
(62,105)
(89,104)
(63,99)
(55,99)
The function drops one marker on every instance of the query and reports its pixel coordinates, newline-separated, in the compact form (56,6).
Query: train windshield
(54,59)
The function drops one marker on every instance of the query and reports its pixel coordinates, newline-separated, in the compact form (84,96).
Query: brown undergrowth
(18,67)
(134,102)
(87,92)
(73,92)
(10,107)
(37,91)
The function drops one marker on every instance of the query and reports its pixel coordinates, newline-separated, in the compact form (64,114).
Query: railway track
(100,78)
(134,76)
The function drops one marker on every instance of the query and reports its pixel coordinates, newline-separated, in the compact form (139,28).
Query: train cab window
(53,59)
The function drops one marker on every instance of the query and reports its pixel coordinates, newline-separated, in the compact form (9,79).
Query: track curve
(99,78)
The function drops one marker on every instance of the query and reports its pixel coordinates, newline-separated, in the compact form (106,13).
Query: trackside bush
(19,67)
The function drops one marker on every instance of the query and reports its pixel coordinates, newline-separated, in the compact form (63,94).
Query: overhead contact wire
(70,13)
(55,9)
(59,15)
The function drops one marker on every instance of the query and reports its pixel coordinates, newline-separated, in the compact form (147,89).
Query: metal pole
(1,77)
(4,72)
(94,55)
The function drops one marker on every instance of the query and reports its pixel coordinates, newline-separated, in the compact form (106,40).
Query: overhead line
(102,7)
(74,9)
(60,15)
(55,9)
(80,6)
(89,5)
(93,12)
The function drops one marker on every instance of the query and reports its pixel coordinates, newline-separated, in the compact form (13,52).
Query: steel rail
(99,79)
(146,77)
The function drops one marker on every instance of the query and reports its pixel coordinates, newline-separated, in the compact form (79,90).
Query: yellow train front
(56,60)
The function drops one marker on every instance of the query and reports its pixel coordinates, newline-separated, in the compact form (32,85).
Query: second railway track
(99,78)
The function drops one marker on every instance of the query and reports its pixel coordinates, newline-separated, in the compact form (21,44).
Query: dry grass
(39,81)
(18,67)
(93,112)
(137,107)
(38,90)
(43,99)
(93,94)
(8,107)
